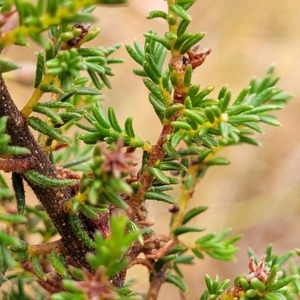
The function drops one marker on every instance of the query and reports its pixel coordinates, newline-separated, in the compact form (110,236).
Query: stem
(46,248)
(51,199)
(18,165)
(156,283)
(36,96)
(156,154)
(173,28)
(187,191)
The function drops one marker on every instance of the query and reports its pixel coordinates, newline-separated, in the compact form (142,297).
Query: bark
(50,198)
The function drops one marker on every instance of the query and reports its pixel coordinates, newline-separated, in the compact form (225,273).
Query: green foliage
(108,259)
(266,279)
(103,210)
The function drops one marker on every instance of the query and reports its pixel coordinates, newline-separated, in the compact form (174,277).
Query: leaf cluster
(195,125)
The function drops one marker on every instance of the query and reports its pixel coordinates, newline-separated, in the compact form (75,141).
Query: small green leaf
(76,225)
(38,270)
(40,68)
(185,229)
(209,113)
(200,96)
(12,218)
(58,263)
(177,281)
(150,72)
(273,274)
(159,175)
(269,120)
(262,97)
(95,68)
(192,42)
(188,75)
(283,258)
(161,188)
(205,238)
(156,38)
(156,14)
(238,109)
(282,282)
(242,96)
(42,180)
(129,128)
(243,118)
(180,12)
(91,138)
(170,151)
(112,197)
(183,25)
(52,114)
(181,125)
(141,73)
(157,105)
(224,128)
(88,211)
(217,161)
(18,185)
(193,213)
(184,259)
(171,166)
(84,90)
(192,92)
(155,90)
(45,129)
(194,115)
(209,283)
(113,120)
(100,116)
(257,284)
(22,246)
(182,39)
(158,196)
(247,140)
(7,66)
(175,140)
(95,79)
(56,104)
(223,104)
(49,88)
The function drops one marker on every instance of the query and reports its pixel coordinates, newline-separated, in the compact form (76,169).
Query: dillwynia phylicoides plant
(93,186)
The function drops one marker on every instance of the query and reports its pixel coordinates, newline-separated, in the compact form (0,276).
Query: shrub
(92,186)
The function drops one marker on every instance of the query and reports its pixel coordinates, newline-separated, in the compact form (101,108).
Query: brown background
(258,194)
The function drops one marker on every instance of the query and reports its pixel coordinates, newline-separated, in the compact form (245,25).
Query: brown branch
(161,251)
(157,153)
(18,165)
(47,248)
(51,198)
(141,261)
(157,280)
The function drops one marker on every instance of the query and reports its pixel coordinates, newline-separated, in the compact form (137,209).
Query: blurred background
(258,194)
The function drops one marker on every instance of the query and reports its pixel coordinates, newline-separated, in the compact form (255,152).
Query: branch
(47,248)
(50,198)
(156,283)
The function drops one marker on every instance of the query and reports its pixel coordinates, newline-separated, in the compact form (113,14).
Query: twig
(18,165)
(51,198)
(162,251)
(47,248)
(141,261)
(157,281)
